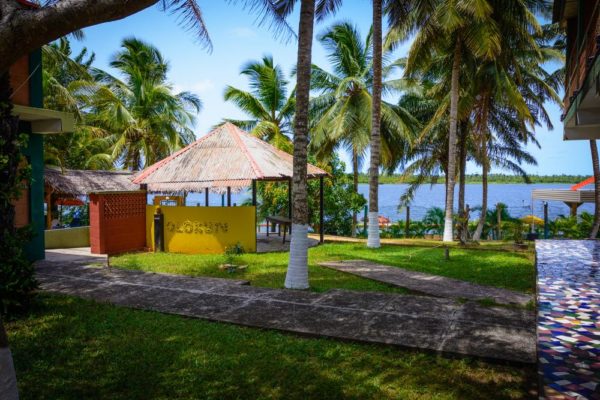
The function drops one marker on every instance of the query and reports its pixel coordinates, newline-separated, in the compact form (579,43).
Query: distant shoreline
(492,179)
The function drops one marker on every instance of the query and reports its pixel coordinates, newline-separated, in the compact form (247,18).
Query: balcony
(582,89)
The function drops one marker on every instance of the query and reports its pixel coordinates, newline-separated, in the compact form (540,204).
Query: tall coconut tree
(147,120)
(268,104)
(297,273)
(459,29)
(373,232)
(66,79)
(341,111)
(511,92)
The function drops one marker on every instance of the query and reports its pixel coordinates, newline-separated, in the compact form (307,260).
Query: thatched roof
(82,182)
(226,157)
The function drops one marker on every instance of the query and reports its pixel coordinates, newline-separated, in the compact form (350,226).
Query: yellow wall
(204,230)
(67,238)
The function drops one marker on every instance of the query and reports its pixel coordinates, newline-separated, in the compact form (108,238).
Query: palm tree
(511,93)
(143,115)
(268,104)
(297,273)
(457,30)
(373,235)
(341,113)
(66,80)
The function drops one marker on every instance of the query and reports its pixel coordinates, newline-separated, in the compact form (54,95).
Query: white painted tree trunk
(373,238)
(373,234)
(451,181)
(297,272)
(8,378)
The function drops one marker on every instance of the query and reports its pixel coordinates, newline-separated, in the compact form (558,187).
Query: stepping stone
(433,285)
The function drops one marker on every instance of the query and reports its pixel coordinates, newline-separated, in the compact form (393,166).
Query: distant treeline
(492,178)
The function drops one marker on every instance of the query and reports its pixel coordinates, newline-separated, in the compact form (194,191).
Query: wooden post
(206,197)
(290,202)
(574,207)
(321,211)
(159,236)
(407,226)
(546,227)
(499,218)
(49,210)
(290,199)
(254,204)
(228,196)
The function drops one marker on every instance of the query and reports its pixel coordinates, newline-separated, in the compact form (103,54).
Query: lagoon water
(516,196)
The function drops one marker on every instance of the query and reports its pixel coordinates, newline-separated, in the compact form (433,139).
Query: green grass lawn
(76,349)
(512,270)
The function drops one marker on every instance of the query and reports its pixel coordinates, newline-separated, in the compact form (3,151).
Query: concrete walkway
(433,285)
(411,321)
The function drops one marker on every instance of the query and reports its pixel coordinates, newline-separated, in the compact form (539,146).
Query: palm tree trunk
(355,187)
(373,237)
(462,166)
(462,156)
(297,272)
(9,149)
(596,166)
(484,197)
(448,231)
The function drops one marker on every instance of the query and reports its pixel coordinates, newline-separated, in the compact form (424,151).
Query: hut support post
(49,210)
(228,196)
(573,208)
(254,204)
(290,203)
(546,227)
(321,201)
(407,223)
(206,197)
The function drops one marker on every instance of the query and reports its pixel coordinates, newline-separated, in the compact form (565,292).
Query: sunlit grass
(76,349)
(512,270)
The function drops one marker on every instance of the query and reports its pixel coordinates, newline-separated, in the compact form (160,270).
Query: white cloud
(243,32)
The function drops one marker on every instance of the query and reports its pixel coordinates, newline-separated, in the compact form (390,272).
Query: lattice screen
(124,205)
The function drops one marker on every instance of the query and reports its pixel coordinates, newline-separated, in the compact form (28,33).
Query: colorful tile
(568,289)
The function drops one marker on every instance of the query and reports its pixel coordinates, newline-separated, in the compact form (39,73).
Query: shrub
(17,281)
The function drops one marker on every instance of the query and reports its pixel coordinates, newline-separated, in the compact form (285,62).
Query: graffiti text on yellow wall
(197,227)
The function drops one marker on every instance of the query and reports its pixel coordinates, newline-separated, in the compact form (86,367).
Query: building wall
(117,222)
(26,81)
(19,72)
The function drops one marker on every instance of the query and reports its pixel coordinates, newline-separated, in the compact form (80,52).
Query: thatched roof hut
(227,157)
(74,183)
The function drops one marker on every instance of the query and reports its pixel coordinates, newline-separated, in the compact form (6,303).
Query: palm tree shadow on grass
(103,351)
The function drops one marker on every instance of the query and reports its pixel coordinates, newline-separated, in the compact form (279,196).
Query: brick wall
(117,222)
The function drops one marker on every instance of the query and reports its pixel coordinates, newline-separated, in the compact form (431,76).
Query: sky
(238,37)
